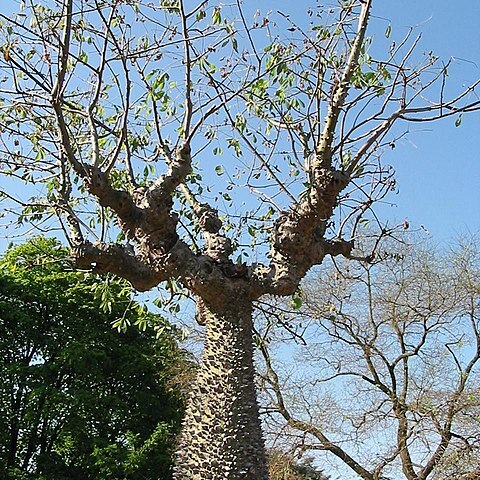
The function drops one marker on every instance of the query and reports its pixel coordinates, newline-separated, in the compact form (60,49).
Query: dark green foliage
(78,400)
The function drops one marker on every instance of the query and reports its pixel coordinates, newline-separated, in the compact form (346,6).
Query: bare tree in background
(389,372)
(212,149)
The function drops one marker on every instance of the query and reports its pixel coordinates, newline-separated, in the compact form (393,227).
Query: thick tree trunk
(221,438)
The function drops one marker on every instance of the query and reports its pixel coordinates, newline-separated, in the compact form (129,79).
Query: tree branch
(117,259)
(306,427)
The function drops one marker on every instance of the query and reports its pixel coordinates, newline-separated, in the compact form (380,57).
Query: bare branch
(114,258)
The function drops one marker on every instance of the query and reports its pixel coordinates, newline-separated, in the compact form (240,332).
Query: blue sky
(438,166)
(439,172)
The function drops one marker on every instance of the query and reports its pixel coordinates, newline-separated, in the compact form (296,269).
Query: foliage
(78,399)
(239,87)
(284,467)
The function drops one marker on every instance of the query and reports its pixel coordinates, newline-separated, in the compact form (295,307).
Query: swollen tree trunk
(221,436)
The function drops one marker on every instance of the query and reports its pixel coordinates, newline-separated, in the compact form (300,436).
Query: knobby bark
(222,436)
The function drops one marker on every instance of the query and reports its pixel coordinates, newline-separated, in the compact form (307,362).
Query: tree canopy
(78,399)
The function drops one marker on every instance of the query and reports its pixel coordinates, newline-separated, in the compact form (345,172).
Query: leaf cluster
(80,400)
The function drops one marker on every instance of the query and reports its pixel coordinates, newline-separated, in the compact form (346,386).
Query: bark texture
(221,437)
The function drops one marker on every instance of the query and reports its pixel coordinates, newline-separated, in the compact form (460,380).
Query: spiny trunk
(221,438)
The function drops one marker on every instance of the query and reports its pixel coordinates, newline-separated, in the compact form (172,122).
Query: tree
(79,400)
(390,365)
(115,110)
(284,467)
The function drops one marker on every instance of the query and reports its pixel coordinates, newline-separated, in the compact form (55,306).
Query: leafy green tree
(78,399)
(211,148)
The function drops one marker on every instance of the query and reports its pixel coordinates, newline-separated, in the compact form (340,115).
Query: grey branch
(117,259)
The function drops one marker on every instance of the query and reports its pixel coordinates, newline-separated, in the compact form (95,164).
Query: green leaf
(296,302)
(216,16)
(240,122)
(235,144)
(219,170)
(388,31)
(458,121)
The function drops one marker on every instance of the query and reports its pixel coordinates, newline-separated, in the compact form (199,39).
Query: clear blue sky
(439,172)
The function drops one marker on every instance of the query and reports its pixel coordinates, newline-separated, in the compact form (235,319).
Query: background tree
(387,376)
(283,466)
(115,110)
(79,400)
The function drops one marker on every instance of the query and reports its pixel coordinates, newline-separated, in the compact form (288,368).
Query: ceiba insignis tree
(116,111)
